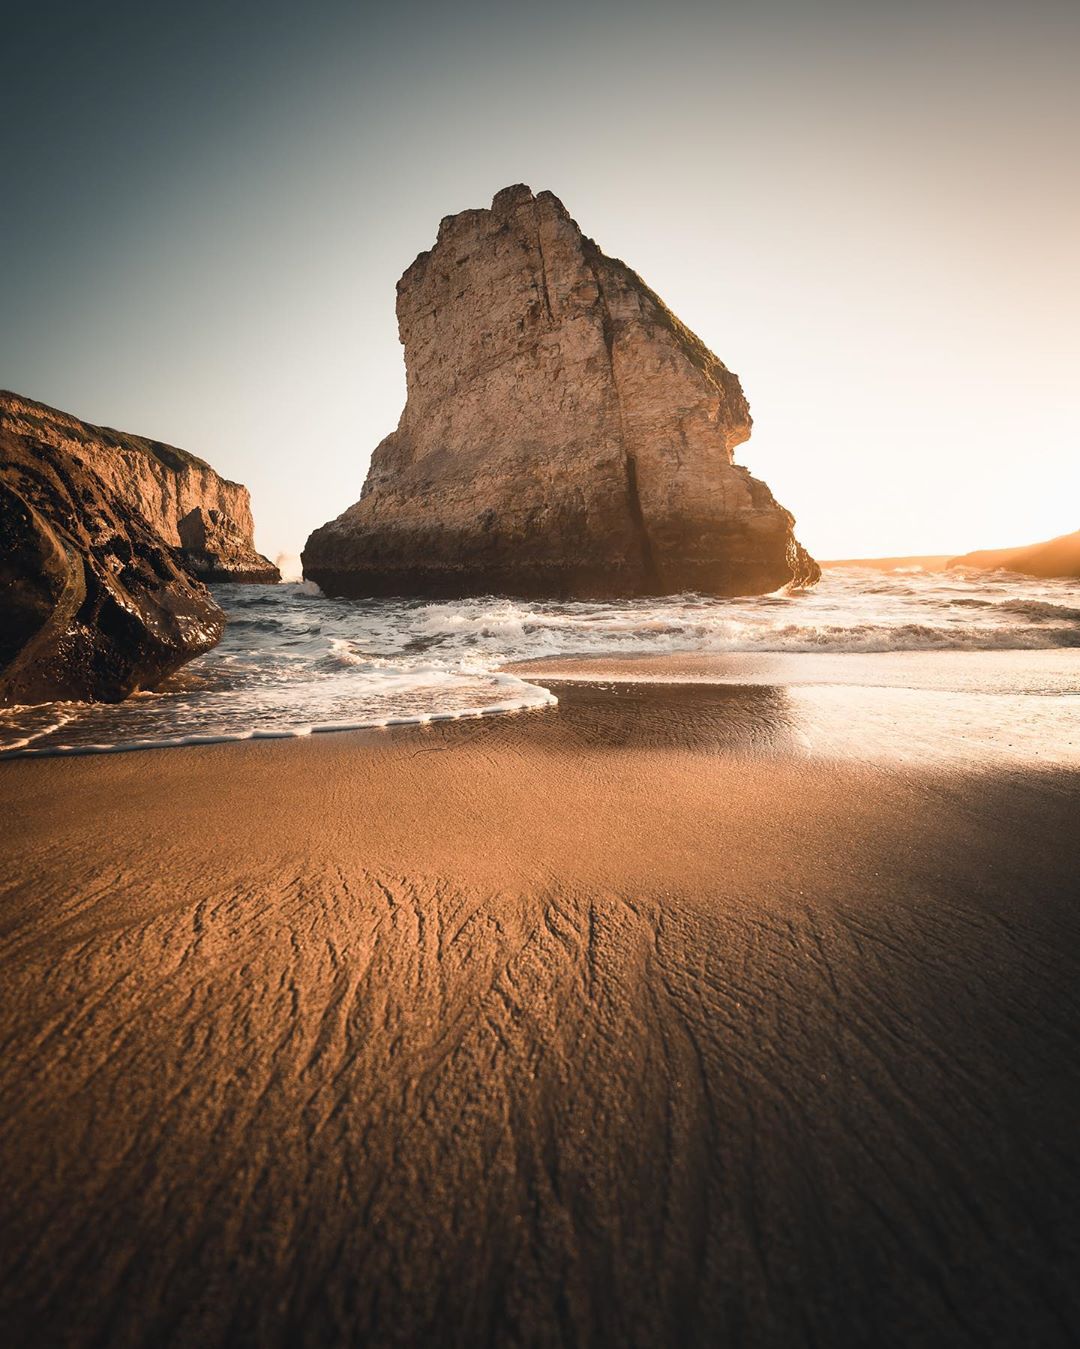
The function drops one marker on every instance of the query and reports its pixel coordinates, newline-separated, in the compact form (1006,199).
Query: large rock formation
(93,603)
(564,434)
(163,484)
(1056,557)
(215,549)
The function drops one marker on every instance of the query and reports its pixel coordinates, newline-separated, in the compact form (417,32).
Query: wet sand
(627,1022)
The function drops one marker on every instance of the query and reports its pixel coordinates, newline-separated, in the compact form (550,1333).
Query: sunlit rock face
(215,549)
(163,484)
(564,434)
(94,604)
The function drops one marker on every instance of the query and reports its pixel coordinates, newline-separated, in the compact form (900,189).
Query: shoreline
(923,667)
(301,732)
(804,679)
(631,1021)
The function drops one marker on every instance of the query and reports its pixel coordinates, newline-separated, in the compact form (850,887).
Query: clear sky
(870,212)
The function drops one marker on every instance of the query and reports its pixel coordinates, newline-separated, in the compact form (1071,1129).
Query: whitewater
(293,662)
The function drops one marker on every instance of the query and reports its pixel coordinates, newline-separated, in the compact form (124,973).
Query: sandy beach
(616,1023)
(539,676)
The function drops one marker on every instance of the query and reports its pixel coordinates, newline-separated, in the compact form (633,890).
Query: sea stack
(564,435)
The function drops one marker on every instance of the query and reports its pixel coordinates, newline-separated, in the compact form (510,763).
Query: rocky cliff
(163,484)
(563,435)
(1056,557)
(93,603)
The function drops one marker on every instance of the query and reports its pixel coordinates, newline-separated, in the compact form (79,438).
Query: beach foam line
(542,698)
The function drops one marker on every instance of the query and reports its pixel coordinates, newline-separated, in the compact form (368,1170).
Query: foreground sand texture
(613,1024)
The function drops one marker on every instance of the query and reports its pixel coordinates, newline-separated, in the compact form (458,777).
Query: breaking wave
(294,663)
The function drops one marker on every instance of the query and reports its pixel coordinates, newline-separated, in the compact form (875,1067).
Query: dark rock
(163,483)
(94,605)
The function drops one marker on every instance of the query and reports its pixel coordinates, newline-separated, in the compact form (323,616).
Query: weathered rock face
(163,484)
(93,603)
(216,550)
(564,434)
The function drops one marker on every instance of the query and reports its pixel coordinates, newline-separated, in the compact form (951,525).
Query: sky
(869,212)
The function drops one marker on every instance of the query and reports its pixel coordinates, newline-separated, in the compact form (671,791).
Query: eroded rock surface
(564,434)
(162,483)
(93,603)
(216,550)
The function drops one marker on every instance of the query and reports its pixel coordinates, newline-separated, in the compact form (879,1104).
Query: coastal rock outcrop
(215,549)
(1058,557)
(163,484)
(564,434)
(93,603)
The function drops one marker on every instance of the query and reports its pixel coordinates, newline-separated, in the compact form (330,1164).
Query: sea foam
(295,663)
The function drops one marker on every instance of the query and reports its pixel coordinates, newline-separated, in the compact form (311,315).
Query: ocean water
(294,663)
